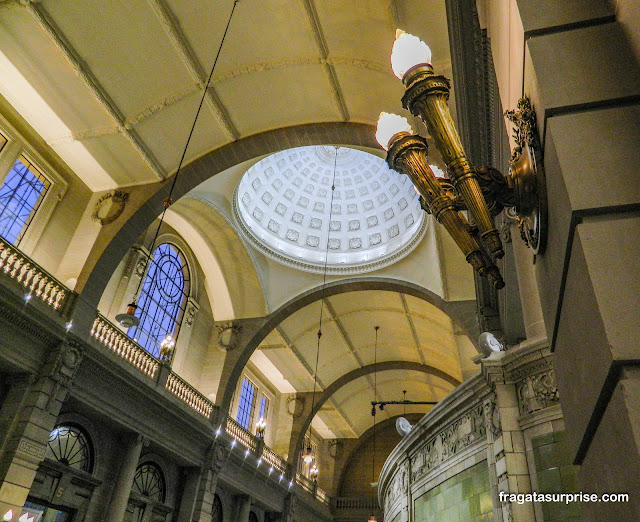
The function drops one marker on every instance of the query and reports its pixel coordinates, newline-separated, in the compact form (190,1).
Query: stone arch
(114,239)
(461,312)
(361,372)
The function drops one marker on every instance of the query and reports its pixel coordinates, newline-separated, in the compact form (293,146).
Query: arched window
(69,445)
(253,517)
(163,298)
(216,509)
(149,481)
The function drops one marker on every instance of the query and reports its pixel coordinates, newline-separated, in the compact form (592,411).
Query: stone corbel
(137,262)
(295,406)
(190,311)
(60,367)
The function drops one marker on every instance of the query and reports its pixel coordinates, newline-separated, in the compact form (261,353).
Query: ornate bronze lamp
(484,192)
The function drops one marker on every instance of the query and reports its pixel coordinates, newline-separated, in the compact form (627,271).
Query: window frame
(186,293)
(10,152)
(263,389)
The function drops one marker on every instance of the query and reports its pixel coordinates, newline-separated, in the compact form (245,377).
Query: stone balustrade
(113,338)
(35,279)
(243,436)
(189,395)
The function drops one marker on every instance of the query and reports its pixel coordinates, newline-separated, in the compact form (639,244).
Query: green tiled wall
(465,497)
(556,474)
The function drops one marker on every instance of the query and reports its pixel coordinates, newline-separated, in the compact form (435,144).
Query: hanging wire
(324,284)
(167,201)
(375,394)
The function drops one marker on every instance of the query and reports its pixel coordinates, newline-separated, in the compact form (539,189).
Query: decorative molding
(295,406)
(190,311)
(60,367)
(109,207)
(217,456)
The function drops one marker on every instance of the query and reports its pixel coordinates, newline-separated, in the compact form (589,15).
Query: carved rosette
(109,207)
(228,336)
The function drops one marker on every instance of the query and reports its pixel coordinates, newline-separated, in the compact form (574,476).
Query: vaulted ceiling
(113,86)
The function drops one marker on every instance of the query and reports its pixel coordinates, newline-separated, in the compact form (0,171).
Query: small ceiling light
(388,126)
(128,319)
(27,297)
(68,326)
(24,518)
(218,431)
(8,515)
(270,470)
(408,52)
(281,477)
(233,443)
(259,461)
(246,453)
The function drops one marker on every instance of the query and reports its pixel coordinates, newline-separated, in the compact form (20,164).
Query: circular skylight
(284,206)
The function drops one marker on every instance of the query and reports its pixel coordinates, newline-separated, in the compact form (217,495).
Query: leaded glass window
(216,509)
(21,194)
(163,298)
(246,404)
(70,446)
(149,481)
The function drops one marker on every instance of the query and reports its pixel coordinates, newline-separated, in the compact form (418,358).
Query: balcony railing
(274,459)
(241,435)
(355,503)
(113,338)
(188,394)
(36,280)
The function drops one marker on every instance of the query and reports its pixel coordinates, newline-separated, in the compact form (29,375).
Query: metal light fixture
(166,348)
(375,394)
(308,455)
(407,154)
(129,319)
(484,191)
(261,425)
(314,472)
(8,515)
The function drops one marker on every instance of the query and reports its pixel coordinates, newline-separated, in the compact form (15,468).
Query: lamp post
(407,154)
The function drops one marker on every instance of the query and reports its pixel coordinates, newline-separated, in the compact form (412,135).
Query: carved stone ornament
(537,392)
(109,207)
(466,430)
(217,457)
(492,417)
(335,448)
(190,312)
(295,406)
(61,366)
(527,178)
(228,336)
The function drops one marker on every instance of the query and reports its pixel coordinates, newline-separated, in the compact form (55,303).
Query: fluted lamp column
(407,154)
(426,96)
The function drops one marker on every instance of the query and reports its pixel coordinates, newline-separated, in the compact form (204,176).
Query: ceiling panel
(261,32)
(276,98)
(166,131)
(126,48)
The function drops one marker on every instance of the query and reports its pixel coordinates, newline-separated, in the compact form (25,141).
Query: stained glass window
(163,298)
(149,481)
(70,446)
(20,196)
(246,404)
(216,510)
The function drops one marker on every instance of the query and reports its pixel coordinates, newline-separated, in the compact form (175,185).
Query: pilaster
(31,411)
(216,459)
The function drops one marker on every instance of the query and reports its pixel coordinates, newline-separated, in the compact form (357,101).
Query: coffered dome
(284,206)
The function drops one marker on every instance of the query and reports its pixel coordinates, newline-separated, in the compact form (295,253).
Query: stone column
(243,508)
(29,415)
(289,508)
(215,460)
(131,448)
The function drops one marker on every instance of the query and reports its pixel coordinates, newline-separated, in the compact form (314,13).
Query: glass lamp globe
(388,126)
(408,51)
(308,455)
